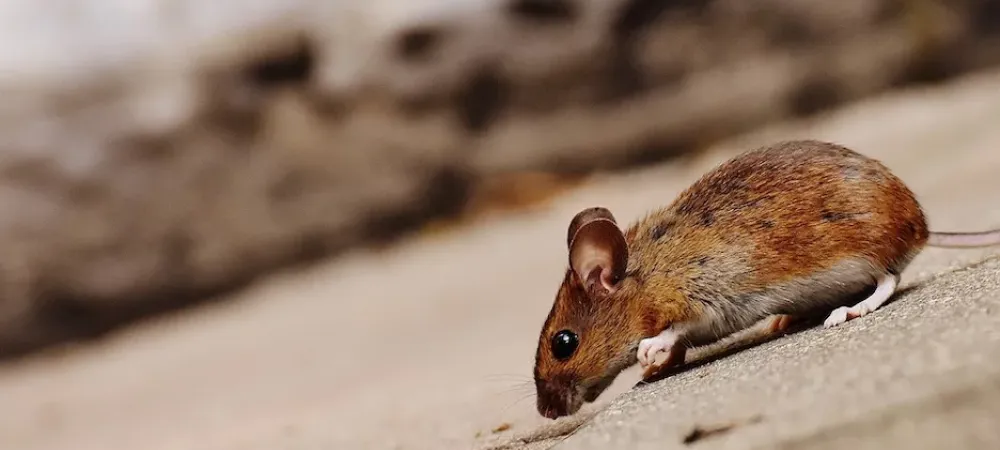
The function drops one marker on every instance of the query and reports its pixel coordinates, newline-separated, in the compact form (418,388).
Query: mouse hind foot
(779,323)
(887,284)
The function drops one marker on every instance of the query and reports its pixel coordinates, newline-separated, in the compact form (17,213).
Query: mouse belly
(845,283)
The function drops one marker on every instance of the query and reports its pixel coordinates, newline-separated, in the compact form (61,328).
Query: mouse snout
(551,411)
(557,399)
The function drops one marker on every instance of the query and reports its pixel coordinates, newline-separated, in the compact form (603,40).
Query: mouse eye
(564,344)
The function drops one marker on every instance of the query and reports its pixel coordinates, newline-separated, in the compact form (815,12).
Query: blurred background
(336,224)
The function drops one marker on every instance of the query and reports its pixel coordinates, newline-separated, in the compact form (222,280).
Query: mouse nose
(550,411)
(550,404)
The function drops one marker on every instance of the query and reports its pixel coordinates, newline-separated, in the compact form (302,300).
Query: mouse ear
(597,249)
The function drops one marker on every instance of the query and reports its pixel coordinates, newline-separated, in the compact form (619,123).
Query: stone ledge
(875,383)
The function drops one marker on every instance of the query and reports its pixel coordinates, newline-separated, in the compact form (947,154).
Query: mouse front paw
(650,347)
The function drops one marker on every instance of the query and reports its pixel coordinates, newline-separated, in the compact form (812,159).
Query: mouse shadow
(716,352)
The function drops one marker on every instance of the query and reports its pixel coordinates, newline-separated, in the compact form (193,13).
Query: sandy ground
(429,344)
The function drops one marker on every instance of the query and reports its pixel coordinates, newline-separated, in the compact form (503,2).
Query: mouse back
(780,213)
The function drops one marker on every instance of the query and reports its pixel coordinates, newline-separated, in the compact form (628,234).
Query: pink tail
(964,240)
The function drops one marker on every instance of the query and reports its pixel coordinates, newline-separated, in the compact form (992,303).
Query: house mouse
(781,231)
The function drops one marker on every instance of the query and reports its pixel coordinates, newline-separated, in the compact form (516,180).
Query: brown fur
(790,209)
(771,217)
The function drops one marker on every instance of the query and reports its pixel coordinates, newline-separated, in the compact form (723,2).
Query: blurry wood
(509,193)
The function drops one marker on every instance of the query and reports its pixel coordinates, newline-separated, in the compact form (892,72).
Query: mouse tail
(964,240)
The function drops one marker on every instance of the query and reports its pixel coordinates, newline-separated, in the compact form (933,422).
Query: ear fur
(597,249)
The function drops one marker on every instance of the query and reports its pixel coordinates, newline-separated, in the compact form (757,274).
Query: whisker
(518,389)
(516,402)
(515,376)
(511,381)
(517,392)
(520,386)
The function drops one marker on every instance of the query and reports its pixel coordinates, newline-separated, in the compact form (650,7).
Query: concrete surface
(923,373)
(430,344)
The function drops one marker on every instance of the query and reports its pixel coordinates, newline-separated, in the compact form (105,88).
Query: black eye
(564,344)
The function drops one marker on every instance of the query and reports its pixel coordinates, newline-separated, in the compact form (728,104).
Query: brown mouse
(782,231)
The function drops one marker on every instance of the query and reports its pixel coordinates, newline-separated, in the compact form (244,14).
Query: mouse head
(589,336)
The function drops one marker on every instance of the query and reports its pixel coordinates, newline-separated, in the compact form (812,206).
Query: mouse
(783,231)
